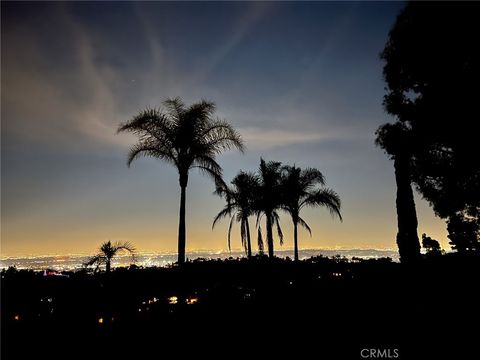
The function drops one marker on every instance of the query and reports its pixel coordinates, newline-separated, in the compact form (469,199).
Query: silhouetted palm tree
(240,206)
(186,137)
(301,189)
(397,141)
(269,200)
(108,252)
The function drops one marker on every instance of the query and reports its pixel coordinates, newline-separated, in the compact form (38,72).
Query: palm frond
(230,233)
(259,217)
(219,136)
(305,225)
(146,150)
(217,178)
(270,171)
(247,182)
(140,122)
(95,260)
(276,220)
(243,235)
(126,246)
(260,240)
(202,110)
(326,198)
(208,162)
(223,190)
(312,175)
(175,108)
(149,123)
(223,213)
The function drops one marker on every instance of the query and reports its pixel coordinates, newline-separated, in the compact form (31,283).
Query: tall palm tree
(240,206)
(269,200)
(186,137)
(397,142)
(107,252)
(302,188)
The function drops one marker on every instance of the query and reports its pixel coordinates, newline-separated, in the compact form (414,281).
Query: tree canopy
(432,72)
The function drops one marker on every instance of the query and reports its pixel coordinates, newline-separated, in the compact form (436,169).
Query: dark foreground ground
(317,309)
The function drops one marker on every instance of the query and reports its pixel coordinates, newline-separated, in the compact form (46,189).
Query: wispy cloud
(61,105)
(259,139)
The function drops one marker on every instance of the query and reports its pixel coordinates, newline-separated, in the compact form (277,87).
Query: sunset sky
(302,82)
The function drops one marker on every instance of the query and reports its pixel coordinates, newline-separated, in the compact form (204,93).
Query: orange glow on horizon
(36,237)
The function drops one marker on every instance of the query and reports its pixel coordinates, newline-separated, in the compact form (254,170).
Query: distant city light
(100,321)
(16,317)
(172,300)
(49,265)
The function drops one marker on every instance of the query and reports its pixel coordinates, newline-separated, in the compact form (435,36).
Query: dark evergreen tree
(432,71)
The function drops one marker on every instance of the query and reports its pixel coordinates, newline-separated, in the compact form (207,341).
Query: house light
(192,300)
(172,300)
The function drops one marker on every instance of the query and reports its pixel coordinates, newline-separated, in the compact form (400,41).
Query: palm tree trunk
(249,243)
(407,237)
(270,235)
(295,239)
(181,223)
(108,266)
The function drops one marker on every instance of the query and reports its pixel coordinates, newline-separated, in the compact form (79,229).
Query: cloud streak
(56,106)
(260,139)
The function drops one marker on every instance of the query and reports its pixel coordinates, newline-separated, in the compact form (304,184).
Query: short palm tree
(269,200)
(107,252)
(240,206)
(303,188)
(186,137)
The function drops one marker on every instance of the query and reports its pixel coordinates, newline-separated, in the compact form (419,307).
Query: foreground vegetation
(312,304)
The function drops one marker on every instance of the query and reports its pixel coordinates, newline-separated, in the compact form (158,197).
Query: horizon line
(196,251)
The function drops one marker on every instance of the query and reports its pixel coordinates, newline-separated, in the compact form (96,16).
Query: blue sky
(301,81)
